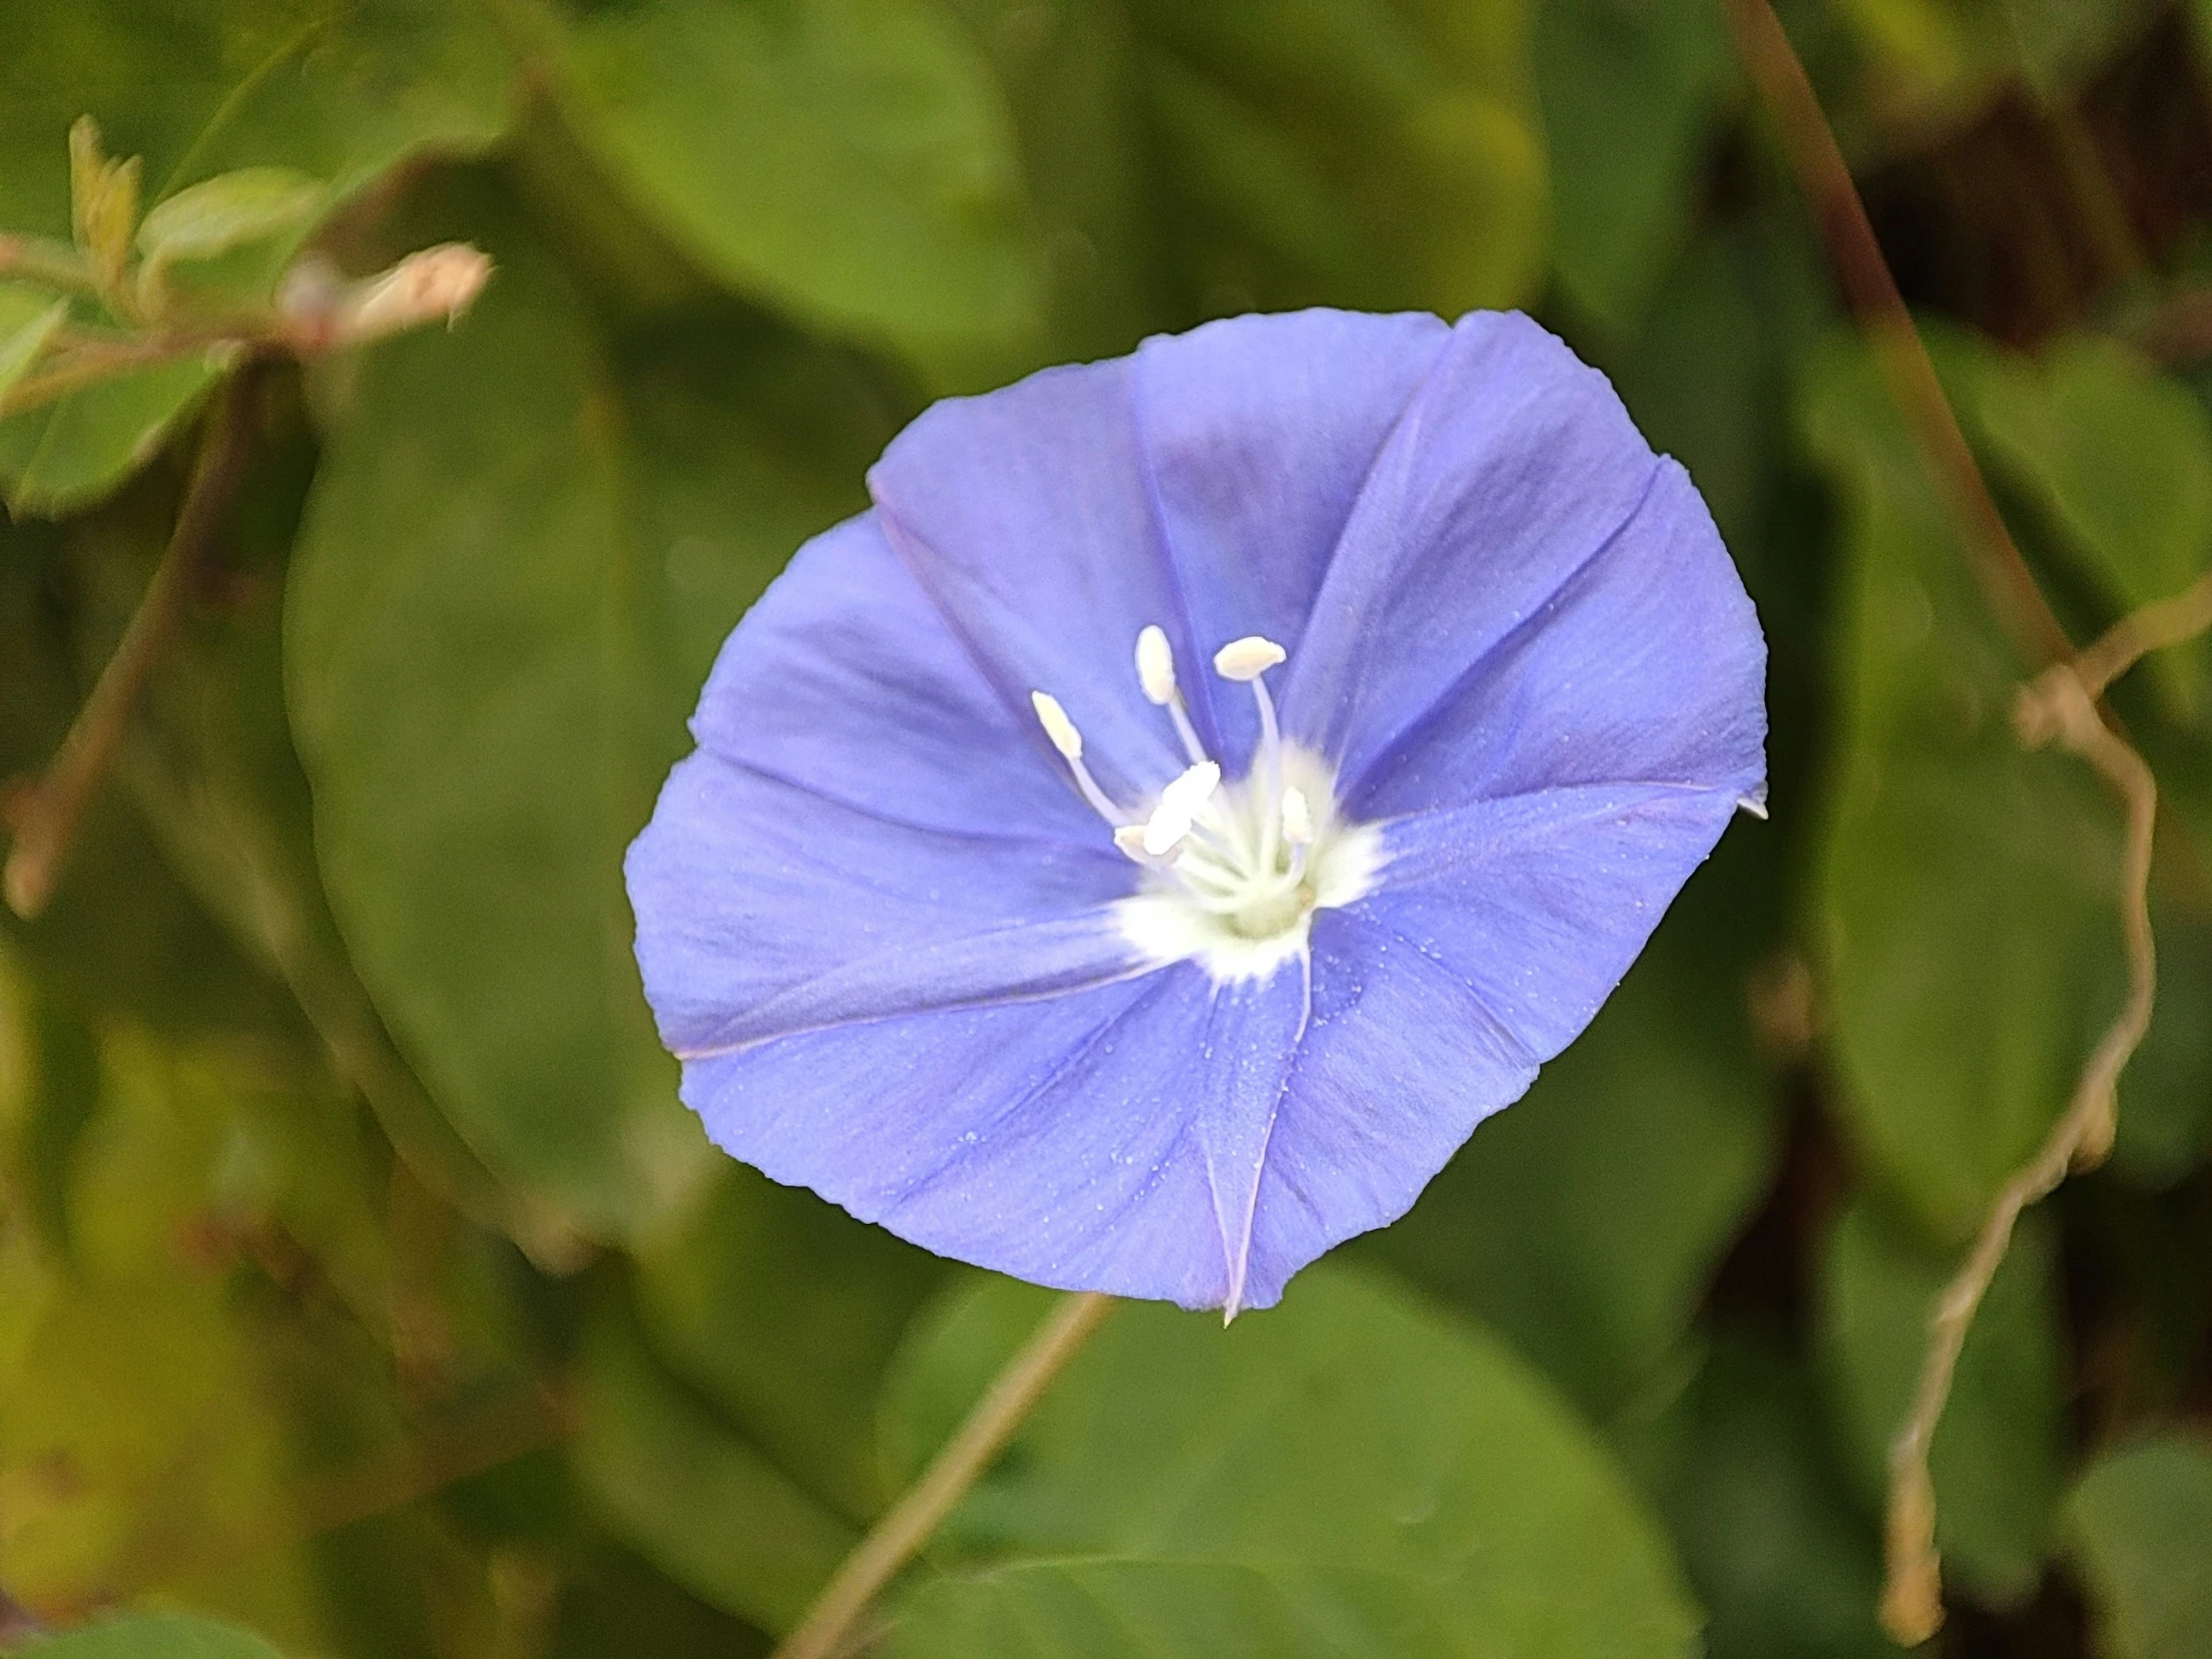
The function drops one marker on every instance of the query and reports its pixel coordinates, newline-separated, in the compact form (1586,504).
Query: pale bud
(435,286)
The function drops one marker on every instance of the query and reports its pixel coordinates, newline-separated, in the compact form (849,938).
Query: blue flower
(1137,852)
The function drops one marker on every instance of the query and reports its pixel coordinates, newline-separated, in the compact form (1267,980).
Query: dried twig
(2059,706)
(2056,706)
(46,813)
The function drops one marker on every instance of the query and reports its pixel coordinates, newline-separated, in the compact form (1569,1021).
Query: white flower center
(1233,871)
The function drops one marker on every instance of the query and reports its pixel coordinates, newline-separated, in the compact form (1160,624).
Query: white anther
(1297,816)
(1130,840)
(1247,658)
(1054,719)
(1155,667)
(1180,804)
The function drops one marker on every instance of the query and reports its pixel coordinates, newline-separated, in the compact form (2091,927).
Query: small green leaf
(66,455)
(2120,455)
(156,1636)
(1348,1472)
(692,1494)
(230,210)
(1969,888)
(1996,1456)
(201,88)
(2140,1522)
(103,203)
(28,320)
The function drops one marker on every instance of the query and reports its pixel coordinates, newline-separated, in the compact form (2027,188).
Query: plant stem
(45,815)
(2059,704)
(53,264)
(1871,293)
(907,1526)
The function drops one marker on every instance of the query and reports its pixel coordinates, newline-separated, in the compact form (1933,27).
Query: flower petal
(1538,902)
(1024,516)
(1400,1061)
(1513,464)
(1646,666)
(1067,1141)
(764,908)
(845,678)
(1257,433)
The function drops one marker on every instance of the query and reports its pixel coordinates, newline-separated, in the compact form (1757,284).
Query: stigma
(1233,868)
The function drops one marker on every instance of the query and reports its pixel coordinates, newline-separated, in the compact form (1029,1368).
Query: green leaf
(1347,152)
(1585,1221)
(524,545)
(786,1312)
(1349,1472)
(2140,1522)
(211,766)
(1739,1463)
(1996,1456)
(1968,890)
(848,160)
(2120,455)
(699,1501)
(336,93)
(1631,92)
(1940,63)
(28,320)
(65,455)
(231,209)
(1070,76)
(203,87)
(156,1636)
(123,940)
(2166,1095)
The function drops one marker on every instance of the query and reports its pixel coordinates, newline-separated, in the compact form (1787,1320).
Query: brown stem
(902,1531)
(46,813)
(2060,705)
(2157,625)
(1871,293)
(53,264)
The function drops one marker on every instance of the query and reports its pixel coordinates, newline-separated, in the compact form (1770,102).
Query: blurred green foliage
(364,1289)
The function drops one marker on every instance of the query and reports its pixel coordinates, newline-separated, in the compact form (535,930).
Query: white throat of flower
(1233,870)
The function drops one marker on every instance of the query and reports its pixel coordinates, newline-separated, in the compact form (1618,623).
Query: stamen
(1069,742)
(1247,659)
(1155,666)
(1179,804)
(1054,719)
(1156,673)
